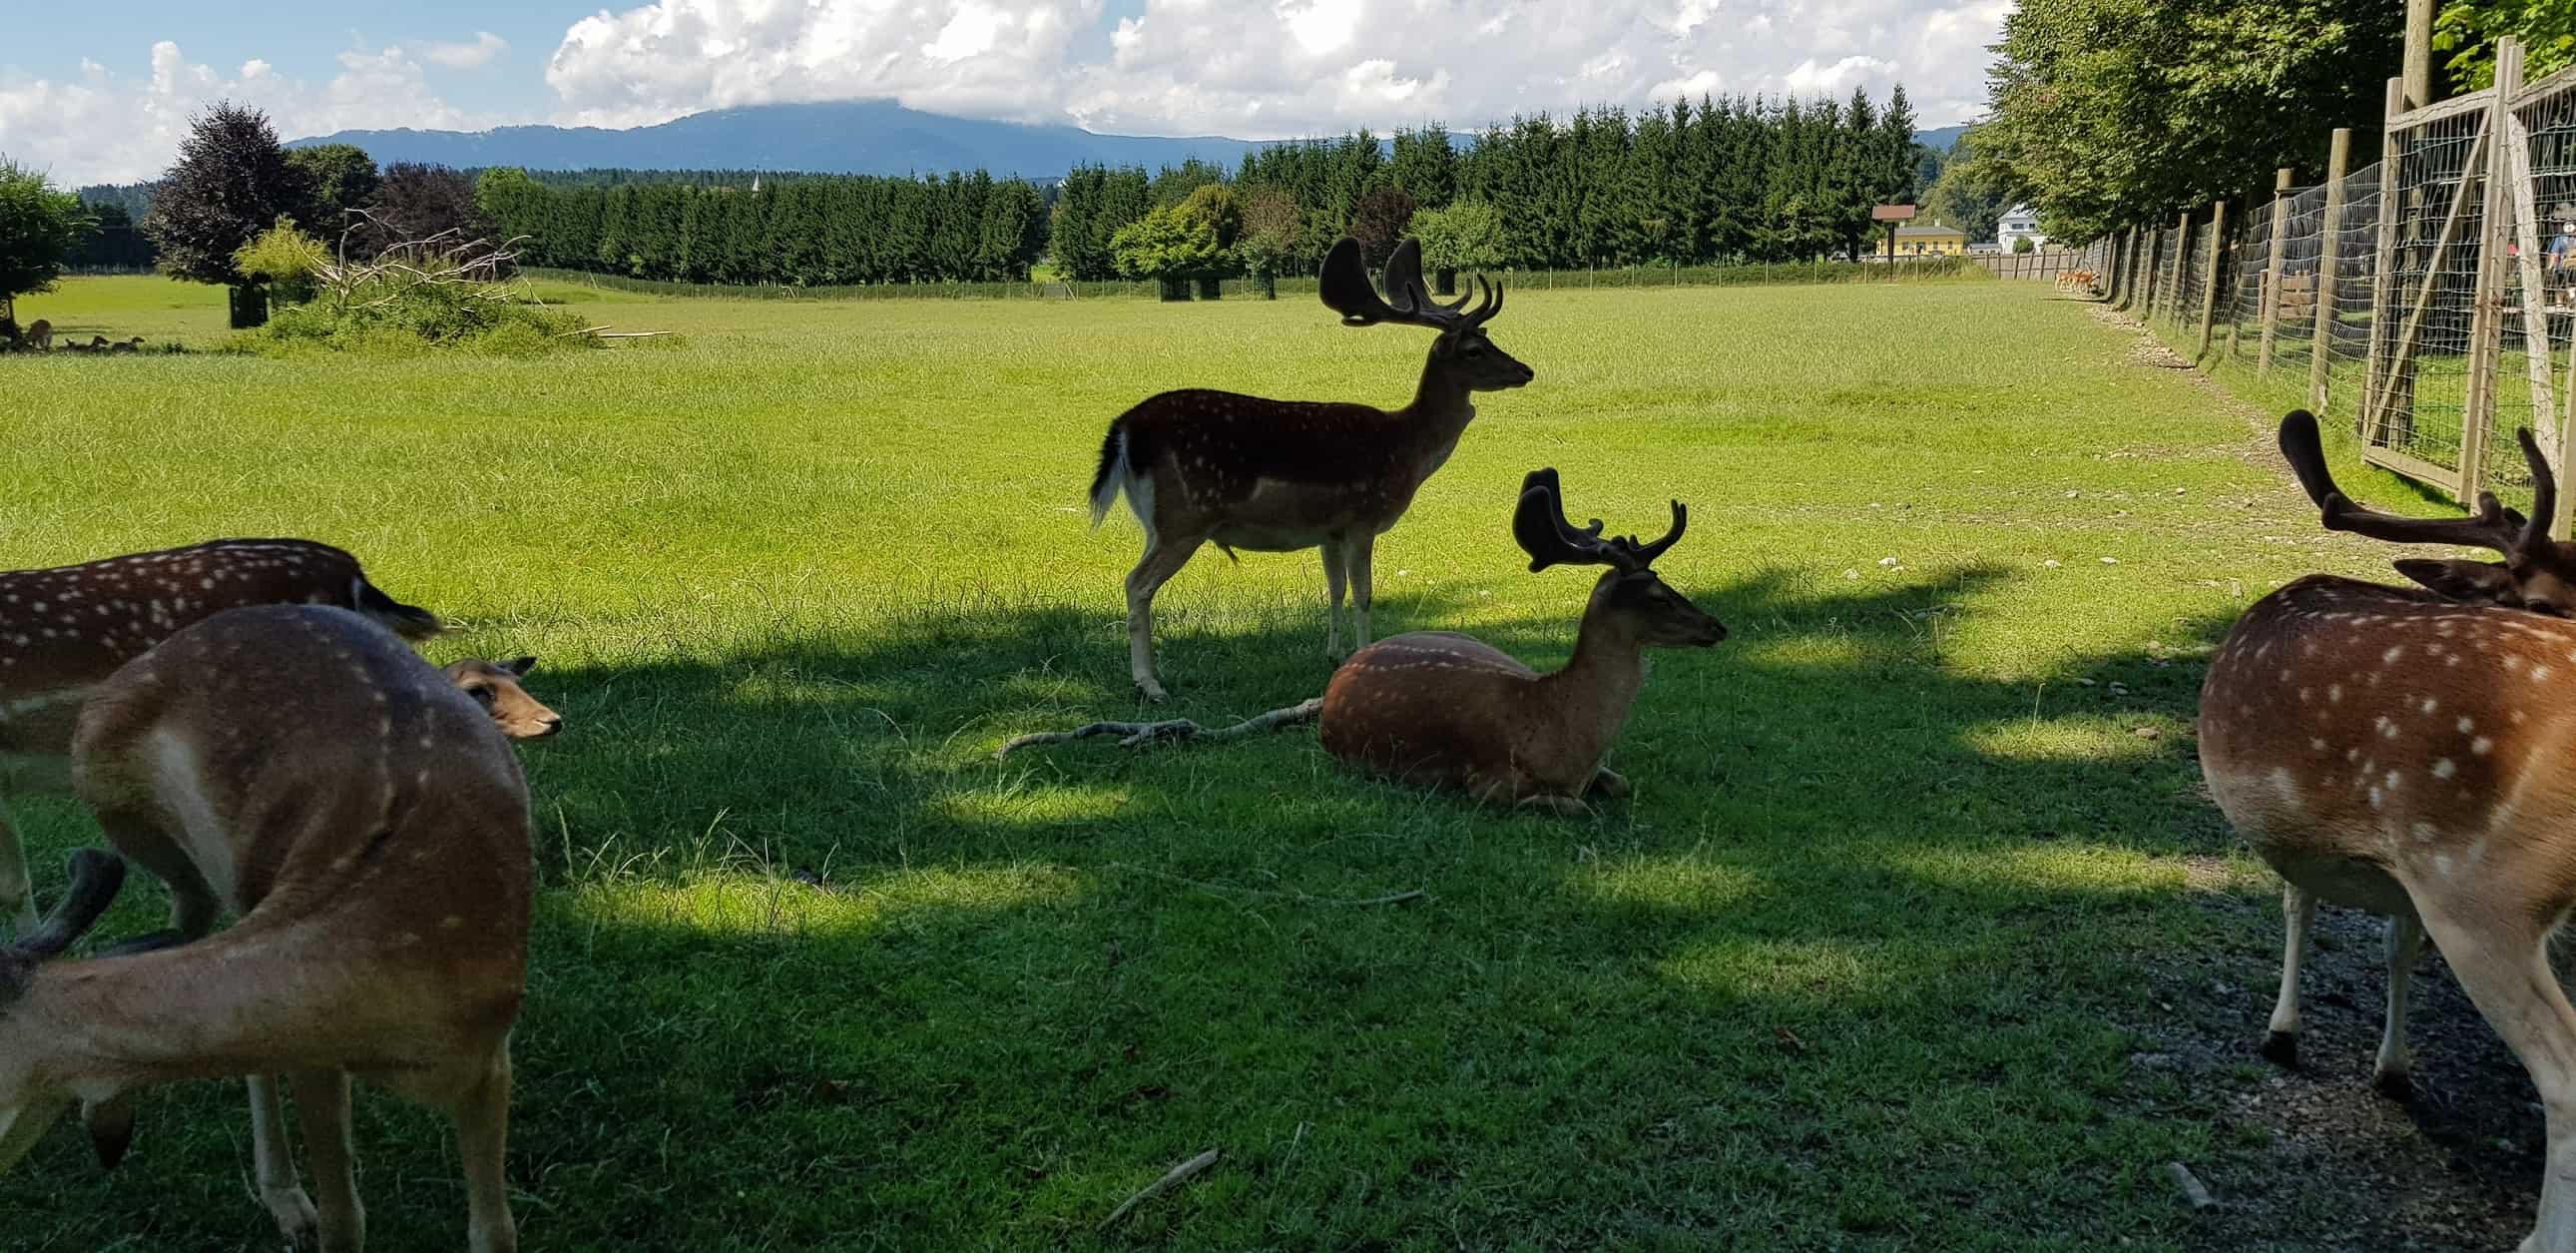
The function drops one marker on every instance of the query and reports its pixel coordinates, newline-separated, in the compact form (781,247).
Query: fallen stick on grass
(1179,1175)
(1140,734)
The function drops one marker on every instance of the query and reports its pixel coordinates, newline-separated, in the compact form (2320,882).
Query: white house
(2019,222)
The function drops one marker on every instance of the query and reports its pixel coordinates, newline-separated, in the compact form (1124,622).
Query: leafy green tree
(2119,113)
(1266,239)
(285,258)
(1378,222)
(231,183)
(415,201)
(39,228)
(1424,165)
(1973,191)
(2469,30)
(1467,235)
(341,177)
(1166,246)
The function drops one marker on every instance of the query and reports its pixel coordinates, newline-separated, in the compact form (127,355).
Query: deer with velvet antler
(1450,711)
(2405,751)
(1203,467)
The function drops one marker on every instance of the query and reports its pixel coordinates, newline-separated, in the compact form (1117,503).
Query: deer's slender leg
(2298,913)
(2503,963)
(1610,783)
(1333,585)
(1164,557)
(1363,585)
(193,903)
(273,1163)
(322,1114)
(16,893)
(2396,1063)
(482,1118)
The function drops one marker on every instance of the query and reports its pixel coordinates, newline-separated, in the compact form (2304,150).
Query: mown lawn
(1868,960)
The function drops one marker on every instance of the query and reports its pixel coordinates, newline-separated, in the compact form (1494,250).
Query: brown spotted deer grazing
(369,824)
(64,630)
(1206,467)
(2405,753)
(1446,710)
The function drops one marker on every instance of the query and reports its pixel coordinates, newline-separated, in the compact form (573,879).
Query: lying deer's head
(27,1108)
(1462,347)
(495,686)
(1630,590)
(2537,573)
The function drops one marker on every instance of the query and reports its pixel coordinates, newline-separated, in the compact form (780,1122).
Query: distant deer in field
(302,766)
(1446,710)
(2406,753)
(127,345)
(40,335)
(1201,467)
(64,630)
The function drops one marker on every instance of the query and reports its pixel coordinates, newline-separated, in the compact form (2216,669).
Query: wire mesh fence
(2532,385)
(2356,277)
(2421,402)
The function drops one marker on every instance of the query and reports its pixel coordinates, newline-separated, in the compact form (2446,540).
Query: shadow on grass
(1861,961)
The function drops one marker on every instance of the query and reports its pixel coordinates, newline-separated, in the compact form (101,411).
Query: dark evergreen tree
(232,182)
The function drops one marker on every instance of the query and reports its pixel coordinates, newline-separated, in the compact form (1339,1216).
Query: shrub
(288,260)
(438,293)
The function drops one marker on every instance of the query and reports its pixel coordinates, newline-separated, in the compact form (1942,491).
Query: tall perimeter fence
(2427,300)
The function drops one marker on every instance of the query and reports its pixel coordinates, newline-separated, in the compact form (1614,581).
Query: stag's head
(1629,592)
(1463,346)
(2537,573)
(28,1106)
(495,686)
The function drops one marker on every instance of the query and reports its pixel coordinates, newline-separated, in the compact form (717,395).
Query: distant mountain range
(853,137)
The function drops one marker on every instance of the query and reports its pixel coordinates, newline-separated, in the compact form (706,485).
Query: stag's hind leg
(322,1113)
(1164,557)
(2298,913)
(1363,551)
(2392,1074)
(1334,584)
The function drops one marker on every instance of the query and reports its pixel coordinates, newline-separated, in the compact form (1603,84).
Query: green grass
(1862,964)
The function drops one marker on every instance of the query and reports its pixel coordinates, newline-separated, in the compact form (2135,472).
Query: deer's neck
(1442,406)
(1592,695)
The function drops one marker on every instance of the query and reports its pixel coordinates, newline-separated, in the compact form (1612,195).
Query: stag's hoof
(2281,1048)
(1612,784)
(2396,1085)
(296,1218)
(1151,691)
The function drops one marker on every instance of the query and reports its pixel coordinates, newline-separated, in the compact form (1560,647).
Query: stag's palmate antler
(1200,467)
(2406,754)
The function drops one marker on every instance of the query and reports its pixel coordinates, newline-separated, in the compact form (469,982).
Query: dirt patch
(2312,1157)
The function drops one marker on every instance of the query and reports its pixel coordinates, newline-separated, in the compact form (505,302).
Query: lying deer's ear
(111,1127)
(519,665)
(2470,582)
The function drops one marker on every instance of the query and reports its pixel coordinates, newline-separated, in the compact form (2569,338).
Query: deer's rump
(1421,707)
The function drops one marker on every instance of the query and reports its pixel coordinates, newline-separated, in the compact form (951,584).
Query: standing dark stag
(1201,467)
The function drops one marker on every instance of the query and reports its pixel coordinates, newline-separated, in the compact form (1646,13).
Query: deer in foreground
(370,825)
(1206,467)
(2404,752)
(1447,710)
(64,630)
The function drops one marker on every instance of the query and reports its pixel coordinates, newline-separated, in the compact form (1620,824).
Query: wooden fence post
(2182,257)
(2272,270)
(2330,237)
(2153,286)
(2209,284)
(2486,322)
(2378,376)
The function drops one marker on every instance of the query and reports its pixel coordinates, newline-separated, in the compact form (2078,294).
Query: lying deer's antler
(1539,524)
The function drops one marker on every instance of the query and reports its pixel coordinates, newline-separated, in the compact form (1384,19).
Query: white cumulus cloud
(102,126)
(474,55)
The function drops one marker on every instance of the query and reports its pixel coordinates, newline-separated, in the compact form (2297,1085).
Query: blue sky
(97,91)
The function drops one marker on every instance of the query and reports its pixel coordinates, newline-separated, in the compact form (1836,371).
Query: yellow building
(1935,240)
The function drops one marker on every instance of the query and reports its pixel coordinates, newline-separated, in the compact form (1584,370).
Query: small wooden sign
(1891,213)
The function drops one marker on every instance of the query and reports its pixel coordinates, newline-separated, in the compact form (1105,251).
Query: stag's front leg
(1363,551)
(2501,959)
(2298,913)
(1163,558)
(273,1164)
(1610,783)
(1333,587)
(17,894)
(322,1112)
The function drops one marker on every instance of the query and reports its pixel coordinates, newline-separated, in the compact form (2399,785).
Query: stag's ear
(2469,582)
(520,665)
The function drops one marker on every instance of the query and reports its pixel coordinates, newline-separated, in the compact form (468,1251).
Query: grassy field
(1917,931)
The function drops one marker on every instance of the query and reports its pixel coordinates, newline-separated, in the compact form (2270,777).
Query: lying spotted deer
(64,630)
(370,824)
(1206,467)
(2404,752)
(1446,710)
